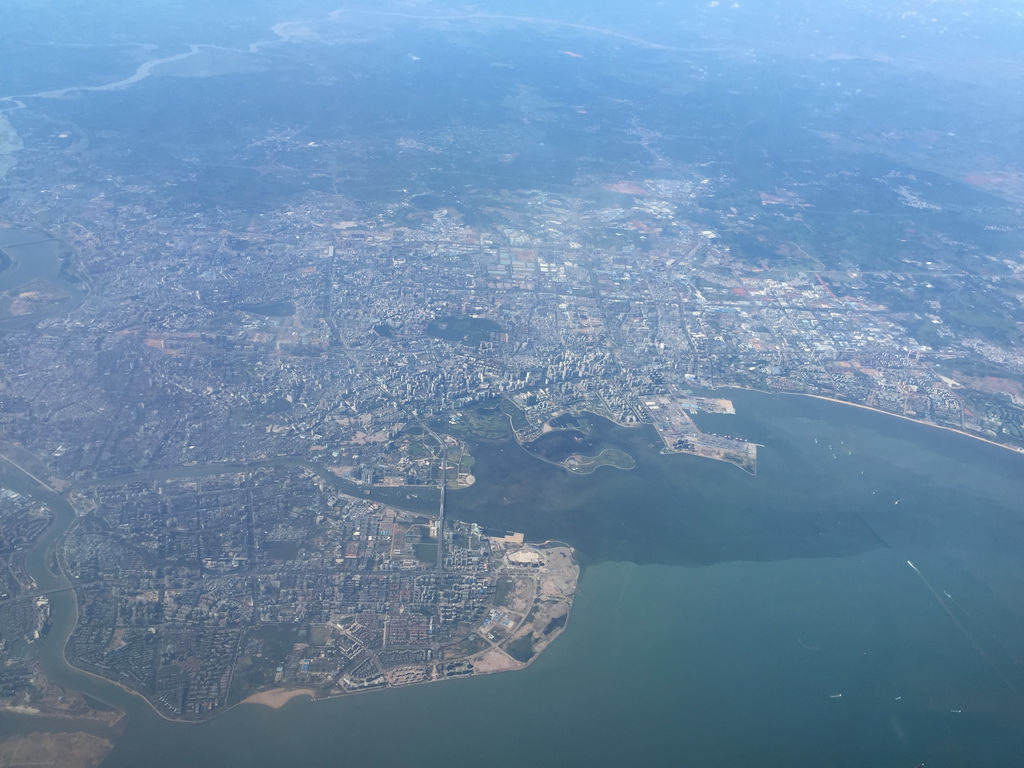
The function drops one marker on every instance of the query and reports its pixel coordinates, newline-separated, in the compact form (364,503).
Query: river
(33,259)
(722,619)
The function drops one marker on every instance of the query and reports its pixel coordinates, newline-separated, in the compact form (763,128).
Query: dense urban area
(346,342)
(215,388)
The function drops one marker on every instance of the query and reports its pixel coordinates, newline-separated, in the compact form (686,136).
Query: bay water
(722,619)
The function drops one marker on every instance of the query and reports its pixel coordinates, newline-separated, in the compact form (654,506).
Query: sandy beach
(963,432)
(277,697)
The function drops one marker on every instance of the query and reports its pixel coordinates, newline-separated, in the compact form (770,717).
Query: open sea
(722,619)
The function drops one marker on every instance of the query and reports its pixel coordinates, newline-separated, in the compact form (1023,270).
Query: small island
(609,457)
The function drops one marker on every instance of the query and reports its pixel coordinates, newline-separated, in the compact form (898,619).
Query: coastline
(1004,446)
(498,660)
(276,698)
(1014,449)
